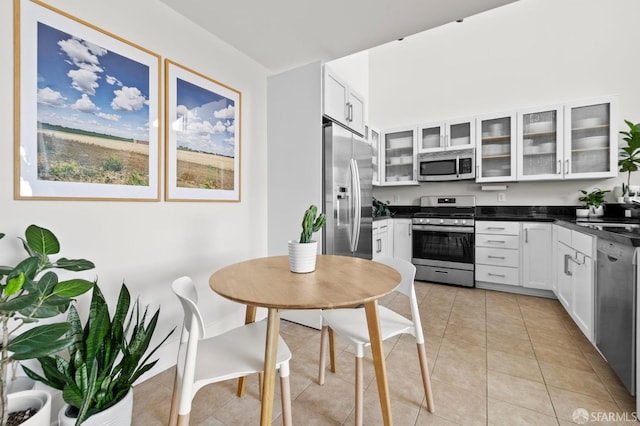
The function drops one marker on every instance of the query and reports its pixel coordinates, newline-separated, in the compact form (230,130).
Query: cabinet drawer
(497,227)
(493,256)
(497,274)
(582,242)
(564,235)
(498,241)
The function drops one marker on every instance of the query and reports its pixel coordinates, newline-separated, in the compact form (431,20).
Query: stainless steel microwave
(447,165)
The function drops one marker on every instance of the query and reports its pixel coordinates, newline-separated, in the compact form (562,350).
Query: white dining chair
(234,354)
(351,324)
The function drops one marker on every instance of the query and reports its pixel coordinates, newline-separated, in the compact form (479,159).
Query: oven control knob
(427,220)
(464,222)
(455,222)
(441,220)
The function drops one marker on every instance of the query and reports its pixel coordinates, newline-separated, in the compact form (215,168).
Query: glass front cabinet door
(591,139)
(399,156)
(374,140)
(440,136)
(496,150)
(540,148)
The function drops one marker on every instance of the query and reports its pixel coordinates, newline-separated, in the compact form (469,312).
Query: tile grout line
(544,380)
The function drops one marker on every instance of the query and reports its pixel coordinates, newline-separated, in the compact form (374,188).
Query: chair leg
(323,354)
(260,383)
(424,369)
(241,386)
(285,391)
(173,414)
(332,350)
(183,419)
(359,391)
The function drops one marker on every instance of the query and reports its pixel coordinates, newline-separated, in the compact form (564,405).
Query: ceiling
(284,34)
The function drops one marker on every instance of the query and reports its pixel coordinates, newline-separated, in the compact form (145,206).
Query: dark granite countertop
(562,215)
(565,216)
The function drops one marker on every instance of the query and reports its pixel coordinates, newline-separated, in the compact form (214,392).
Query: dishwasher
(615,303)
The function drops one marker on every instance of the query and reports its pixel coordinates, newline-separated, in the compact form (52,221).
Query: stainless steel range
(443,239)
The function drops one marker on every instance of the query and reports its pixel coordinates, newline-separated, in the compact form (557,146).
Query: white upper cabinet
(540,143)
(496,148)
(447,135)
(374,140)
(576,140)
(591,139)
(342,104)
(398,156)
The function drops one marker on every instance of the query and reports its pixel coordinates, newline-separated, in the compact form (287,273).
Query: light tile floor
(495,359)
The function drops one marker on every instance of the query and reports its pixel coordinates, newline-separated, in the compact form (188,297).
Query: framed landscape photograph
(202,137)
(86,108)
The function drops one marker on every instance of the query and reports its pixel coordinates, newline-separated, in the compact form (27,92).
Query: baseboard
(516,289)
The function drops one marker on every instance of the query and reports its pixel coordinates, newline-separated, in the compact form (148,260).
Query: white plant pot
(117,415)
(582,212)
(302,257)
(596,211)
(38,399)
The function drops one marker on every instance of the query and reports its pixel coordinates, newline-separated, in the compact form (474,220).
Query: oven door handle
(438,228)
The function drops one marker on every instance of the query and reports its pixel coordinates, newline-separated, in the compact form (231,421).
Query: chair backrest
(187,294)
(407,272)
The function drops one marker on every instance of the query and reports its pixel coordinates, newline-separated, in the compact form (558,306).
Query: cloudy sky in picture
(206,120)
(86,87)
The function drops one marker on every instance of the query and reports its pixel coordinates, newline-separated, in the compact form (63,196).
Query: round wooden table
(337,282)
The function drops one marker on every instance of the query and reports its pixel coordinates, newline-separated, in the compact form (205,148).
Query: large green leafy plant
(28,293)
(107,355)
(629,160)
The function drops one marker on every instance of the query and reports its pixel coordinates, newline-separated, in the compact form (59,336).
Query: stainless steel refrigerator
(347,199)
(347,192)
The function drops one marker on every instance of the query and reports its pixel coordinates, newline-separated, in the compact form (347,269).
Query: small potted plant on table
(302,253)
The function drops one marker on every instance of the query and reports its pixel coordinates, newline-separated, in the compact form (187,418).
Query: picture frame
(86,110)
(202,137)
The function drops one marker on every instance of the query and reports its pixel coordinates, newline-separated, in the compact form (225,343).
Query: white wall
(148,244)
(528,53)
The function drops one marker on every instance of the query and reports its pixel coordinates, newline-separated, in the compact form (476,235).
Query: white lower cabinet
(497,252)
(575,272)
(392,238)
(536,255)
(402,239)
(514,254)
(382,234)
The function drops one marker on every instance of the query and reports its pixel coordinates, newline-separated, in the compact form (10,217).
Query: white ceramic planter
(302,257)
(118,415)
(38,399)
(596,211)
(582,212)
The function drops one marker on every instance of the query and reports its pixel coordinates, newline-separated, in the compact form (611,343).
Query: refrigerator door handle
(352,207)
(357,197)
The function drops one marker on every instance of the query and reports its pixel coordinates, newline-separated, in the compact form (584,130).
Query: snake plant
(107,355)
